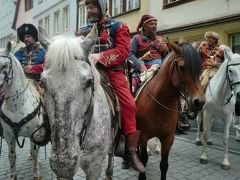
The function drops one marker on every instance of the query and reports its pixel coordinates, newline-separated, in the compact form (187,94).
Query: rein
(87,115)
(157,101)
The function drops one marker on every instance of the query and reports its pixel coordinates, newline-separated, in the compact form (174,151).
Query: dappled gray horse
(78,110)
(21,111)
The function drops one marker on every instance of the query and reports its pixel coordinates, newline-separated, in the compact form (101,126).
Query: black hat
(27,29)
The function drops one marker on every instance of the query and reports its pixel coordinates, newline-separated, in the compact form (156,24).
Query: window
(172,3)
(46,24)
(66,18)
(56,22)
(235,42)
(118,7)
(132,4)
(40,23)
(28,5)
(82,15)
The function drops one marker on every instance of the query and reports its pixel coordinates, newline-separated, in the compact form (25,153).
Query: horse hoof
(158,151)
(142,176)
(203,161)
(37,178)
(209,143)
(198,143)
(30,157)
(125,165)
(225,167)
(108,178)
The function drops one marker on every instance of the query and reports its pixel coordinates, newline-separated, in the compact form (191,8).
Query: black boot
(131,149)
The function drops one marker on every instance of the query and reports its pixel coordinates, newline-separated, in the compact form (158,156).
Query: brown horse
(157,113)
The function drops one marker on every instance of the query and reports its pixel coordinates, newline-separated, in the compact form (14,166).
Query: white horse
(221,94)
(21,112)
(78,110)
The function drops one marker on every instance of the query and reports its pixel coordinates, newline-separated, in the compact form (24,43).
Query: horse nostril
(197,104)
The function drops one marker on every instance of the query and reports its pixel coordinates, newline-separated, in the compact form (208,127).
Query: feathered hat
(211,34)
(144,20)
(27,29)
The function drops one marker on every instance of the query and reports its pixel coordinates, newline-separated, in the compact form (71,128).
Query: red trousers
(127,104)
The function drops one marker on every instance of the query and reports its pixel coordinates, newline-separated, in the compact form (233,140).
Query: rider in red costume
(110,53)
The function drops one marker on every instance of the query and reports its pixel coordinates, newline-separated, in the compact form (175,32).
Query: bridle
(8,75)
(230,82)
(171,70)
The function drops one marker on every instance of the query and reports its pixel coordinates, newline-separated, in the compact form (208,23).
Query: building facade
(181,19)
(56,16)
(7,8)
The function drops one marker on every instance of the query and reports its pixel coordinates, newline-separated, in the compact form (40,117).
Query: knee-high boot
(131,149)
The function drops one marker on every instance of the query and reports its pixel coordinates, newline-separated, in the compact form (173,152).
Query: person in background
(147,48)
(109,55)
(32,55)
(212,57)
(32,59)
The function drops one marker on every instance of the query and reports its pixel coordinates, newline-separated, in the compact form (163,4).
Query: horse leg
(199,124)
(166,143)
(226,164)
(11,156)
(109,170)
(34,153)
(158,148)
(143,156)
(205,136)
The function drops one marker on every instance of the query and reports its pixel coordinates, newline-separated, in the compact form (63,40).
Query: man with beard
(147,48)
(109,55)
(32,56)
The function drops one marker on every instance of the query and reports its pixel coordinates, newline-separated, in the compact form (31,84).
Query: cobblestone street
(183,162)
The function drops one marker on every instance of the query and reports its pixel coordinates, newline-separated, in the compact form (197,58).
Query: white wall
(192,12)
(48,7)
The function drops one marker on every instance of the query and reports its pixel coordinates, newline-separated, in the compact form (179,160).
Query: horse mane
(193,65)
(65,50)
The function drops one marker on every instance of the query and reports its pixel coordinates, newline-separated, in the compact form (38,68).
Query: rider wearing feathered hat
(110,54)
(212,57)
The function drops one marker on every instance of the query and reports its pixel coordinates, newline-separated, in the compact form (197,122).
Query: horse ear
(227,51)
(43,38)
(8,48)
(175,47)
(89,41)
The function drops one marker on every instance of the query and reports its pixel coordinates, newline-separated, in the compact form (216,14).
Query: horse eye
(89,83)
(230,71)
(181,67)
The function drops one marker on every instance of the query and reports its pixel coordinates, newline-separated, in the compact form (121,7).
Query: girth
(16,127)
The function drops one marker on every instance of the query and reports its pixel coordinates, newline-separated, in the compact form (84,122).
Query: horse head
(233,74)
(186,71)
(68,81)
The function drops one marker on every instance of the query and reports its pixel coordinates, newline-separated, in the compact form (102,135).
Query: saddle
(119,137)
